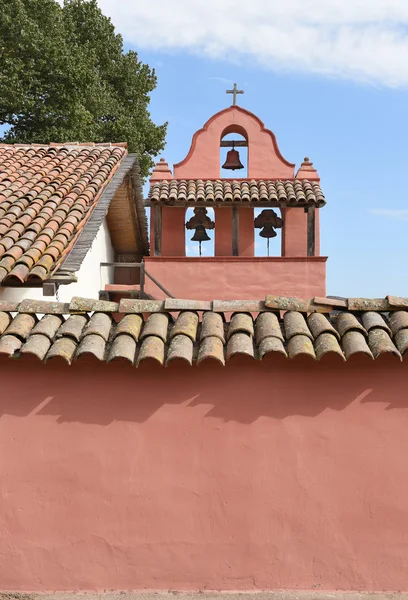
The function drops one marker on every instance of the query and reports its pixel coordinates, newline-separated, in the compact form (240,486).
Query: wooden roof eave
(225,203)
(73,261)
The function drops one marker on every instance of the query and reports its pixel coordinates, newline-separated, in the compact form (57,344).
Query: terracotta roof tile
(349,322)
(241,323)
(123,347)
(157,326)
(211,347)
(319,324)
(199,336)
(9,344)
(99,324)
(48,326)
(130,325)
(21,326)
(48,191)
(267,325)
(240,343)
(271,345)
(300,344)
(93,344)
(73,327)
(212,326)
(380,343)
(401,339)
(152,348)
(372,320)
(398,321)
(186,324)
(326,343)
(181,347)
(354,342)
(295,324)
(5,319)
(38,345)
(64,348)
(293,193)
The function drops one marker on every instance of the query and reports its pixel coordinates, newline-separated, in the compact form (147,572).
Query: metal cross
(235,91)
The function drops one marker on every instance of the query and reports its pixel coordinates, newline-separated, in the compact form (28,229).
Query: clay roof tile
(41,181)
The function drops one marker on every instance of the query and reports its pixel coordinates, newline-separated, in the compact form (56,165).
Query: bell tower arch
(287,206)
(265,160)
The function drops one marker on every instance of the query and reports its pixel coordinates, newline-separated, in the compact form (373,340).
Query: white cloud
(363,40)
(222,80)
(392,213)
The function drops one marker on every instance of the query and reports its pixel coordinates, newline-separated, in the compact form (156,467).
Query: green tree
(64,77)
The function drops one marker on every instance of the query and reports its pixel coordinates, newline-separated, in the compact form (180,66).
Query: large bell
(268,231)
(200,235)
(233,161)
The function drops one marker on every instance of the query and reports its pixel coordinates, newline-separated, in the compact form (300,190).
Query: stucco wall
(242,278)
(288,475)
(91,279)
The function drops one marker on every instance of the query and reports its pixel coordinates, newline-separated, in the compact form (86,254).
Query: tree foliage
(64,77)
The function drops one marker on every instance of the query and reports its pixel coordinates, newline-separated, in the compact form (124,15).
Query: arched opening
(234,153)
(200,230)
(268,225)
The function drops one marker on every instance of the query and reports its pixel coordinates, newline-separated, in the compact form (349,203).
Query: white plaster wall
(91,277)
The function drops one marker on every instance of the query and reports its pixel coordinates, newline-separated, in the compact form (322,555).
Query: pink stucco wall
(264,162)
(242,278)
(264,157)
(253,476)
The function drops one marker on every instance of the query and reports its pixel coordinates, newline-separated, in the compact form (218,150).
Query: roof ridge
(66,145)
(324,305)
(300,192)
(164,338)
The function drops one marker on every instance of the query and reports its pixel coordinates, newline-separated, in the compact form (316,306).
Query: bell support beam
(232,143)
(157,229)
(311,230)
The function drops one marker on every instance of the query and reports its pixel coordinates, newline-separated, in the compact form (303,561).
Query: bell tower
(286,204)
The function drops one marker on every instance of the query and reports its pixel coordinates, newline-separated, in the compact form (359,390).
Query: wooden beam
(142,280)
(231,144)
(120,264)
(235,231)
(157,229)
(159,285)
(311,230)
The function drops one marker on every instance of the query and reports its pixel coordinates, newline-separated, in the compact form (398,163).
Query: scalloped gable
(264,158)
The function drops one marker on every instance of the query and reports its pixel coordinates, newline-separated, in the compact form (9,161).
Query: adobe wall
(264,158)
(240,278)
(273,475)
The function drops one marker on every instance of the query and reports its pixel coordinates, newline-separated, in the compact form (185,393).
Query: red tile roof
(299,192)
(47,194)
(194,332)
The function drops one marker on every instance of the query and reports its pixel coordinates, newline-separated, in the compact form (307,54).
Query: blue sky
(356,134)
(329,77)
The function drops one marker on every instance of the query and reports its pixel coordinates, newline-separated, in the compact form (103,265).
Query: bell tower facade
(270,199)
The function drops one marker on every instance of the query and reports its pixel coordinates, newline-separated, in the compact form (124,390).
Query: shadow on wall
(244,391)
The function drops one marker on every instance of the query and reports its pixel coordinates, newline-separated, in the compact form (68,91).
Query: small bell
(200,235)
(233,161)
(268,231)
(267,221)
(200,222)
